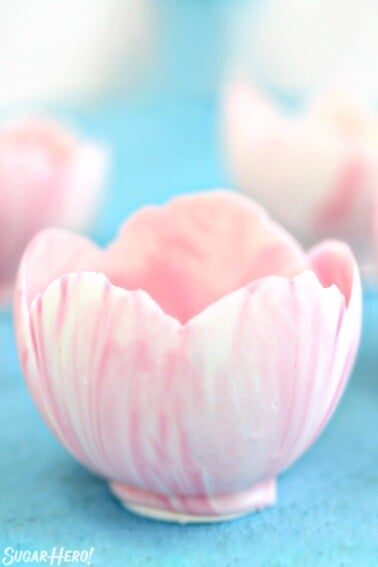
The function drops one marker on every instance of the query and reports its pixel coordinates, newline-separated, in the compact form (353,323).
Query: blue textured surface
(327,512)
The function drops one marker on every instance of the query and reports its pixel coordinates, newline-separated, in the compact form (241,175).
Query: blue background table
(327,511)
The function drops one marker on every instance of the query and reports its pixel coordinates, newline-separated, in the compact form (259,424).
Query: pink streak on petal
(333,264)
(344,196)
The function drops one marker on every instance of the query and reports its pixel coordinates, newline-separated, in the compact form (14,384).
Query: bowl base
(194,510)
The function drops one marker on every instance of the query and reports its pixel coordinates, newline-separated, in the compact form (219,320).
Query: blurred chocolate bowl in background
(299,120)
(49,176)
(316,171)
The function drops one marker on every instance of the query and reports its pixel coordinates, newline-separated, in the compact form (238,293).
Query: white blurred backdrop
(302,46)
(69,49)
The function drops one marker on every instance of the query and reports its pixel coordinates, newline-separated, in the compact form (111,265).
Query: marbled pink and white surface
(316,172)
(195,358)
(47,177)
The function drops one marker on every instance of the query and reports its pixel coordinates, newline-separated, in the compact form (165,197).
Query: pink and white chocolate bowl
(195,358)
(316,172)
(48,177)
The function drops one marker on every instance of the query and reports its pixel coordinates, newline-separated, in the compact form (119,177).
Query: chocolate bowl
(48,177)
(195,358)
(322,163)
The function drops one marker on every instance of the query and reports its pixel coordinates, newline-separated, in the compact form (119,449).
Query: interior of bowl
(185,255)
(188,254)
(196,249)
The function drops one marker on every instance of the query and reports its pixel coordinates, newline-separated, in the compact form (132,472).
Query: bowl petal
(206,408)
